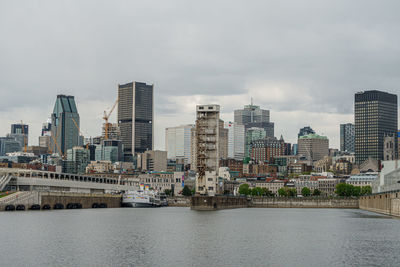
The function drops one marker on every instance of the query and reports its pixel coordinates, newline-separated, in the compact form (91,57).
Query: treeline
(349,190)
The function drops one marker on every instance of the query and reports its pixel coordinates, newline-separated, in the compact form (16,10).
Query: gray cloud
(308,57)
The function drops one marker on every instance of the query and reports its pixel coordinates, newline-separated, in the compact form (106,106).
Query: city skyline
(295,72)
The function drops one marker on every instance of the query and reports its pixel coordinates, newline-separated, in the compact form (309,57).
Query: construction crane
(23,132)
(79,130)
(58,147)
(106,117)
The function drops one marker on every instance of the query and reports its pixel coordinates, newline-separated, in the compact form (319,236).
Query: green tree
(316,192)
(291,192)
(168,192)
(366,190)
(257,191)
(355,191)
(244,189)
(343,190)
(267,192)
(186,191)
(282,192)
(305,191)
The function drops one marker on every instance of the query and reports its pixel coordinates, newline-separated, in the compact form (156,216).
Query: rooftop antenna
(251,100)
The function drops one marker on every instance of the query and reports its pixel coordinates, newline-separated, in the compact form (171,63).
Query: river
(181,237)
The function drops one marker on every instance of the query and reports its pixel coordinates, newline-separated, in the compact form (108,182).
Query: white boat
(141,198)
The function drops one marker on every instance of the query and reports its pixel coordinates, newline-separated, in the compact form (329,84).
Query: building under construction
(207,148)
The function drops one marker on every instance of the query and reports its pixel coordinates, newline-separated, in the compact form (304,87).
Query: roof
(313,136)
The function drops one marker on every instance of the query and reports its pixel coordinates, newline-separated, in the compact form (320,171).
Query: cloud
(303,60)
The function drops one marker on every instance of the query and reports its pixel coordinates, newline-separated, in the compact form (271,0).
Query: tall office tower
(314,147)
(375,117)
(235,140)
(305,131)
(65,123)
(178,142)
(9,145)
(253,134)
(253,116)
(207,148)
(135,118)
(20,132)
(223,141)
(347,136)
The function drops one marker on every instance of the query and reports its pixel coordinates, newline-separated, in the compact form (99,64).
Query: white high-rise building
(178,142)
(236,136)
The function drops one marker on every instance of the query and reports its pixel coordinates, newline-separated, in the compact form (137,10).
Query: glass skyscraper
(65,123)
(253,116)
(375,117)
(347,135)
(135,117)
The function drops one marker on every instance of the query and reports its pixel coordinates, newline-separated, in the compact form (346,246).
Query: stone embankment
(385,203)
(227,202)
(320,202)
(180,201)
(26,200)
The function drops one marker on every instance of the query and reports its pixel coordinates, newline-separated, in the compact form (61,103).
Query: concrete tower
(207,148)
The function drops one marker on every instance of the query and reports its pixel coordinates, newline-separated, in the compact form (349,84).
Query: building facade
(236,136)
(312,146)
(178,142)
(265,150)
(347,137)
(135,117)
(152,160)
(375,117)
(254,116)
(207,148)
(253,134)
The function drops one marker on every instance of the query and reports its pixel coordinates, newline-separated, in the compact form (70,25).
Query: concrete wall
(225,202)
(337,203)
(179,201)
(385,203)
(218,202)
(87,200)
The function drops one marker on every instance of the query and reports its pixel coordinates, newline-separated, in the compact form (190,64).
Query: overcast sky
(303,60)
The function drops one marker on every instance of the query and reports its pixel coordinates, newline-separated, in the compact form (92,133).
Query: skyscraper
(375,117)
(135,117)
(313,146)
(21,133)
(65,123)
(236,138)
(178,142)
(254,116)
(347,136)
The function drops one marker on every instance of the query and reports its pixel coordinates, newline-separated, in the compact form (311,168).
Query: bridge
(36,180)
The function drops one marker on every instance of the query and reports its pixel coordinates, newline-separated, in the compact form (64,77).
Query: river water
(181,237)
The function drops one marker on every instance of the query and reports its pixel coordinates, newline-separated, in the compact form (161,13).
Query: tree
(168,192)
(186,191)
(257,191)
(267,192)
(343,190)
(316,192)
(282,192)
(291,192)
(305,192)
(244,189)
(366,190)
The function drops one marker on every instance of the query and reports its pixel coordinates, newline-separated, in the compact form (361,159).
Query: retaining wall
(337,203)
(385,203)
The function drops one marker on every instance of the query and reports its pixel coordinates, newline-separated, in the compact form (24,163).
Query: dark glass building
(135,117)
(253,116)
(347,135)
(64,125)
(375,116)
(305,131)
